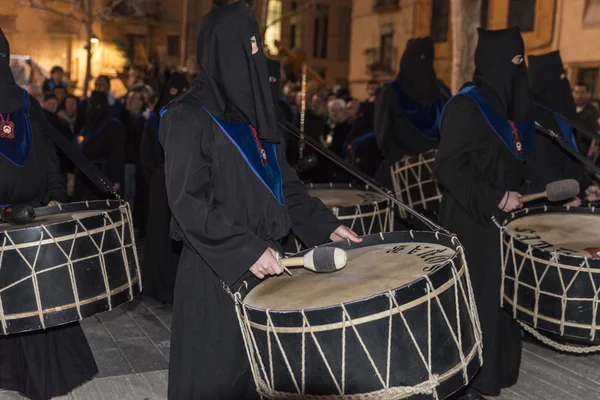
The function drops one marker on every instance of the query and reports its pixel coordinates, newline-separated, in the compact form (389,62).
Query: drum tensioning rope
(358,175)
(506,258)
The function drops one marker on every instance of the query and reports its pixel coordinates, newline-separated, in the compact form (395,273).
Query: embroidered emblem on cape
(260,156)
(16,137)
(517,136)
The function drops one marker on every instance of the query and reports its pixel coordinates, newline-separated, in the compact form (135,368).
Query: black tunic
(106,149)
(49,363)
(475,169)
(161,253)
(224,215)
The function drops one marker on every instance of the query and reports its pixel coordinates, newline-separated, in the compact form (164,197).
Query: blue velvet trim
(565,128)
(242,138)
(18,149)
(80,140)
(501,126)
(424,118)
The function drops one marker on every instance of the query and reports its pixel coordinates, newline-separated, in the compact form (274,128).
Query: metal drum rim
(451,241)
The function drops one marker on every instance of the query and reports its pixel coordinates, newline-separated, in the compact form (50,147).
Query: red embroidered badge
(7,128)
(261,150)
(517,140)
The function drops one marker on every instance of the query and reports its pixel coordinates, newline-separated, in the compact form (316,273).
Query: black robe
(548,161)
(140,202)
(224,215)
(50,363)
(106,149)
(362,150)
(161,253)
(476,168)
(396,135)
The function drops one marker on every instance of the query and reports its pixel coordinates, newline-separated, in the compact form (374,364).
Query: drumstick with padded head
(555,191)
(321,259)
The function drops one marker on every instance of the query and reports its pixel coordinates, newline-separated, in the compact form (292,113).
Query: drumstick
(321,259)
(555,191)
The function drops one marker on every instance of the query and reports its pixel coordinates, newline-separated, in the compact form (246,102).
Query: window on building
(345,22)
(590,76)
(440,17)
(591,15)
(483,18)
(273,31)
(321,31)
(521,13)
(173,46)
(293,33)
(386,50)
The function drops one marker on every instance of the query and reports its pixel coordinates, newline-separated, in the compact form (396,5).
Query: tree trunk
(465,19)
(89,23)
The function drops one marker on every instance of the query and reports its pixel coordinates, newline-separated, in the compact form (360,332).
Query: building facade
(381,28)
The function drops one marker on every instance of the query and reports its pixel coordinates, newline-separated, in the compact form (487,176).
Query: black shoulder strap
(92,172)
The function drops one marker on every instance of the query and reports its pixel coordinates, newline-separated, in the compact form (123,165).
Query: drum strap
(91,172)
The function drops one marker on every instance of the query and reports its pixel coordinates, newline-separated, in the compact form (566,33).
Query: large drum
(551,269)
(398,321)
(414,183)
(78,260)
(359,208)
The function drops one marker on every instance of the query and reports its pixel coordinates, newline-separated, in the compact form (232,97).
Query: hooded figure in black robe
(407,109)
(554,108)
(49,363)
(487,132)
(102,140)
(230,192)
(161,253)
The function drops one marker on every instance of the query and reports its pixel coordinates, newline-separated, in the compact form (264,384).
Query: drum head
(52,219)
(565,232)
(370,270)
(340,196)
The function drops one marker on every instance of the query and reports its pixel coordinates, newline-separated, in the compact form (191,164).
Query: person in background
(69,112)
(116,108)
(362,149)
(102,141)
(56,80)
(137,76)
(50,103)
(36,92)
(588,116)
(407,109)
(352,106)
(337,127)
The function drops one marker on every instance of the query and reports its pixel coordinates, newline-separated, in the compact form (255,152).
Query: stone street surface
(131,346)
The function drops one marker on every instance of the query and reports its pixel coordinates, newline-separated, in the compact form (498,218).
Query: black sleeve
(115,152)
(150,156)
(540,168)
(456,163)
(203,222)
(312,221)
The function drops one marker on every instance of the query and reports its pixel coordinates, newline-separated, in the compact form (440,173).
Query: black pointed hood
(504,84)
(234,83)
(417,74)
(549,84)
(176,85)
(11,94)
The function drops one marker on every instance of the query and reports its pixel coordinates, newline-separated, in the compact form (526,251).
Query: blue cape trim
(80,141)
(18,149)
(424,118)
(501,126)
(242,138)
(565,127)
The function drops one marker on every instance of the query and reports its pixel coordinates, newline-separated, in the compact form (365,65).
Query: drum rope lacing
(386,225)
(70,262)
(261,376)
(584,267)
(402,184)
